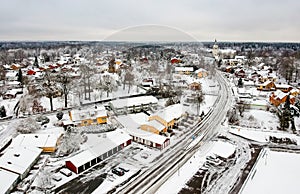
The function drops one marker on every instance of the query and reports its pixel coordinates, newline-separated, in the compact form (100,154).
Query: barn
(98,148)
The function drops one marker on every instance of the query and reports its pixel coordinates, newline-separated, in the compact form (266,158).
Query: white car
(65,172)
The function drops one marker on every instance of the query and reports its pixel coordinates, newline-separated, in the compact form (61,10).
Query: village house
(85,117)
(284,87)
(295,92)
(98,148)
(175,60)
(266,86)
(277,98)
(194,86)
(201,73)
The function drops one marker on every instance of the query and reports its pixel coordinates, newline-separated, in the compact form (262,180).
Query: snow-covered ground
(275,172)
(260,119)
(262,136)
(178,180)
(113,180)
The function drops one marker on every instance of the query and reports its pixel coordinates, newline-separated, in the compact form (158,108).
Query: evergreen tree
(2,112)
(36,63)
(240,83)
(20,76)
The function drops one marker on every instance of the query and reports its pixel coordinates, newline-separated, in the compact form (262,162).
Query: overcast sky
(203,20)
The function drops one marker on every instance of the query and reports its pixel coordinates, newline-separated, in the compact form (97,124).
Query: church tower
(215,50)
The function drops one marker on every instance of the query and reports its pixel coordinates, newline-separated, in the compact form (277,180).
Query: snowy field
(276,173)
(260,119)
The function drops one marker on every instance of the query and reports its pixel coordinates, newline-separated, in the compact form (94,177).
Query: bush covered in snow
(27,125)
(70,143)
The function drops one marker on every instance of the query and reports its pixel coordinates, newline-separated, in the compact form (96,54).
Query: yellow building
(154,126)
(168,116)
(266,86)
(97,115)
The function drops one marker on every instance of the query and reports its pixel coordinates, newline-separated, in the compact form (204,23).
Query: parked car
(124,169)
(56,177)
(118,171)
(65,172)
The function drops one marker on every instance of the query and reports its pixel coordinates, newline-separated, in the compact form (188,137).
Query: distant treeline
(4,45)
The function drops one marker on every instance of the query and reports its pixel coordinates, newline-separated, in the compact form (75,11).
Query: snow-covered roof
(157,125)
(200,70)
(283,86)
(155,138)
(19,159)
(177,69)
(135,101)
(98,144)
(171,112)
(7,179)
(91,113)
(267,83)
(36,140)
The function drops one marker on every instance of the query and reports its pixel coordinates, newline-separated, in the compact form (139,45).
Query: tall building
(215,50)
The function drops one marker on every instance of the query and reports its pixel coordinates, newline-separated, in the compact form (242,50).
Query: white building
(8,181)
(19,160)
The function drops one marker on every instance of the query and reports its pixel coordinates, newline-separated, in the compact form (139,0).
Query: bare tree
(199,99)
(44,180)
(86,73)
(65,80)
(50,88)
(128,79)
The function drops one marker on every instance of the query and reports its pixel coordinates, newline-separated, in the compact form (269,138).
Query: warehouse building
(98,148)
(47,142)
